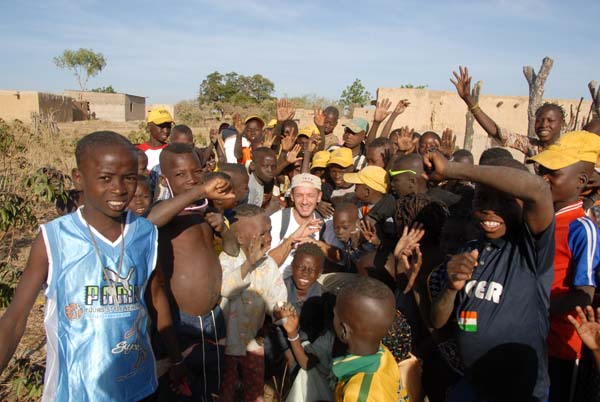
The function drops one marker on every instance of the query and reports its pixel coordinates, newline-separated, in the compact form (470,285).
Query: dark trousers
(562,378)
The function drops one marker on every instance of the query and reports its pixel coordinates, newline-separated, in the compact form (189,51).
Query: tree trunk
(536,90)
(595,99)
(469,130)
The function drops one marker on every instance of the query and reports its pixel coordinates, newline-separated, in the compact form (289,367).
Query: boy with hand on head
(159,126)
(498,290)
(379,152)
(567,165)
(363,314)
(326,121)
(252,285)
(188,260)
(96,264)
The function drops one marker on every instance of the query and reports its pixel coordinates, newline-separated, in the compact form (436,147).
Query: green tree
(108,90)
(84,63)
(236,89)
(355,95)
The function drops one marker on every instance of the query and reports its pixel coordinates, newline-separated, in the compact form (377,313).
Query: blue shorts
(203,355)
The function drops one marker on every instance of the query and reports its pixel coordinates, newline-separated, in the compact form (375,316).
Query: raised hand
(460,269)
(406,141)
(382,110)
(436,164)
(256,251)
(306,229)
(589,328)
(409,240)
(288,142)
(325,208)
(448,144)
(285,110)
(213,136)
(368,231)
(292,155)
(462,83)
(268,139)
(215,220)
(319,118)
(292,322)
(238,124)
(217,188)
(410,264)
(401,106)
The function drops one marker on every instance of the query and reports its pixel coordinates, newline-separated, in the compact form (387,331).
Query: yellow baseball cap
(308,131)
(372,176)
(572,147)
(272,123)
(262,122)
(341,156)
(320,159)
(159,116)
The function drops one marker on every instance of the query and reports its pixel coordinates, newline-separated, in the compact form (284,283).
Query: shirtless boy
(193,273)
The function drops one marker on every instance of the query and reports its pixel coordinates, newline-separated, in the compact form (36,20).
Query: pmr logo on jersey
(123,290)
(73,311)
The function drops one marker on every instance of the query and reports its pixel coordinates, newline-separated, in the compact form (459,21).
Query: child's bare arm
(463,87)
(291,325)
(538,209)
(400,108)
(381,113)
(163,212)
(14,320)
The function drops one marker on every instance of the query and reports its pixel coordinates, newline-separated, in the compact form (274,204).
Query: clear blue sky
(164,50)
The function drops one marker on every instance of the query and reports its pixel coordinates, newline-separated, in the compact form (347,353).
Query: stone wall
(21,104)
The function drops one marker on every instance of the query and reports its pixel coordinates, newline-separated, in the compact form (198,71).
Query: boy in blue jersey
(97,264)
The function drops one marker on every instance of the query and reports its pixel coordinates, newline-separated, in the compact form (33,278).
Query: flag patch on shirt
(468,321)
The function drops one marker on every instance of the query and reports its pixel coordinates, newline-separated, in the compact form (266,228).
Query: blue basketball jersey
(98,348)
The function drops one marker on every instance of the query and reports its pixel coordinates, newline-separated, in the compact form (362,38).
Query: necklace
(112,280)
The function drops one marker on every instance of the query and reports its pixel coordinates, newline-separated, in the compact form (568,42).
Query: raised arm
(239,128)
(463,87)
(14,320)
(531,189)
(400,108)
(381,112)
(214,189)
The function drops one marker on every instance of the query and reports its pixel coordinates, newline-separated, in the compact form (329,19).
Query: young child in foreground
(252,285)
(363,314)
(96,264)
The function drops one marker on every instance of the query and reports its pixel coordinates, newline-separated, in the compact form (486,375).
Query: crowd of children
(369,268)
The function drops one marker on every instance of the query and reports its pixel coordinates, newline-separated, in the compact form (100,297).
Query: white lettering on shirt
(485,291)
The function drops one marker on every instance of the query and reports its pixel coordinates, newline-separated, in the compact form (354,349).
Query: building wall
(437,110)
(135,108)
(112,107)
(18,105)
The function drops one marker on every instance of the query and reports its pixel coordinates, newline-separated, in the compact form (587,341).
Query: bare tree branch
(536,90)
(595,98)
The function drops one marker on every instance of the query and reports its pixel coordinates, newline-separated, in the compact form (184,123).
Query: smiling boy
(498,290)
(96,264)
(159,126)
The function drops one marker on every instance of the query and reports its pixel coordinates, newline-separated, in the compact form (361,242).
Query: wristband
(294,338)
(179,362)
(474,108)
